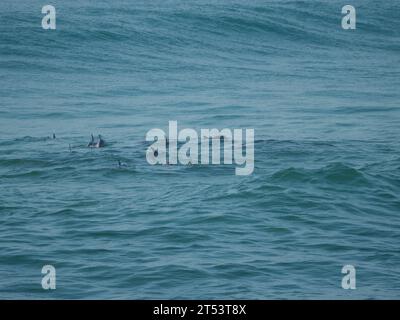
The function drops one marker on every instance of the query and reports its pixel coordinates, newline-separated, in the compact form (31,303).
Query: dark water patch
(26,175)
(36,163)
(291,174)
(33,139)
(337,173)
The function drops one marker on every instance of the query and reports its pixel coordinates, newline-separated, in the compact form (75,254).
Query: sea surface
(325,192)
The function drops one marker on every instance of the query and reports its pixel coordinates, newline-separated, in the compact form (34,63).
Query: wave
(216,26)
(335,173)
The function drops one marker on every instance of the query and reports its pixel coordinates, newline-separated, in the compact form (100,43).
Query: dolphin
(91,143)
(122,164)
(100,143)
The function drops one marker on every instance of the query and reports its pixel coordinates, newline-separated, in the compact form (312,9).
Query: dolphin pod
(100,143)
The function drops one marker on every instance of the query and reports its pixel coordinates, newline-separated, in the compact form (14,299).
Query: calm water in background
(324,103)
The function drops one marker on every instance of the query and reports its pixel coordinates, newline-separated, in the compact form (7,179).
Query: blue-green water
(324,103)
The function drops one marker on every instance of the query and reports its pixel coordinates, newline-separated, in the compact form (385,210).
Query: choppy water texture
(324,104)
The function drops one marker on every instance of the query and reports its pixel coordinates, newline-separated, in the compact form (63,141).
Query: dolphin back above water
(100,143)
(91,143)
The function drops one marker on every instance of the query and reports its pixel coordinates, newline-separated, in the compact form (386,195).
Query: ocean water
(325,192)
